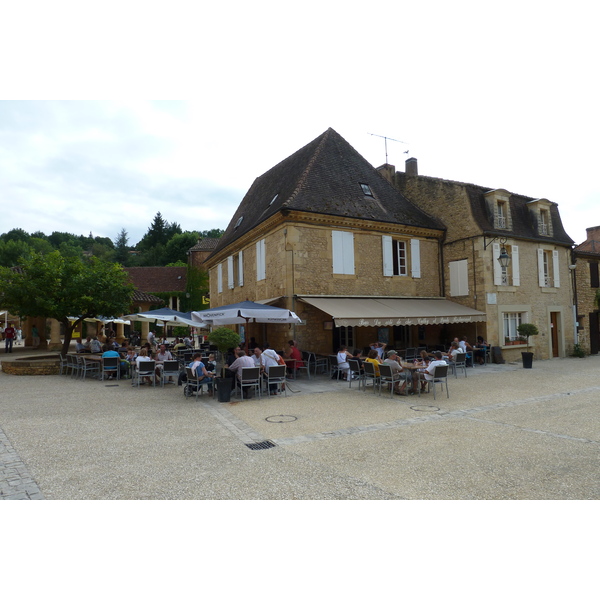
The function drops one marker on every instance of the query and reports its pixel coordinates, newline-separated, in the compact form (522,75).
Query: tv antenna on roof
(391,140)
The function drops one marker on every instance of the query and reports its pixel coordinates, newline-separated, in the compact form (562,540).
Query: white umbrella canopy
(245,312)
(166,317)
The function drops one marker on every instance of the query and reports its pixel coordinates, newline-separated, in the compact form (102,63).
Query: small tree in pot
(223,338)
(527,329)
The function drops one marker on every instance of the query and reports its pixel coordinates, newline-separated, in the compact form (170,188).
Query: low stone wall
(48,365)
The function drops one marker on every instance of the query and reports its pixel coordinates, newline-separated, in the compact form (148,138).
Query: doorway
(594,333)
(554,329)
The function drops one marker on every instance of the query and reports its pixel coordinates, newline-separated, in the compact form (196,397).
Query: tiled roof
(145,297)
(324,177)
(158,279)
(524,224)
(588,247)
(205,244)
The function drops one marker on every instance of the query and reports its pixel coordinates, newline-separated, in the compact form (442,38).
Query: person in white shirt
(433,364)
(257,357)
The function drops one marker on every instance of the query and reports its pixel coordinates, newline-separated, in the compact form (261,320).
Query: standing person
(19,336)
(95,346)
(9,336)
(35,337)
(480,350)
(151,338)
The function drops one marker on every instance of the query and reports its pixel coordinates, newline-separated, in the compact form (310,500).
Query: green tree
(13,251)
(178,246)
(59,287)
(211,233)
(121,247)
(17,235)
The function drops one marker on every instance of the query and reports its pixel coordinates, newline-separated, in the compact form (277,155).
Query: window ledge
(506,288)
(549,290)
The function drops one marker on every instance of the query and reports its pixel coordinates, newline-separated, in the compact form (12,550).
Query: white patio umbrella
(244,313)
(166,317)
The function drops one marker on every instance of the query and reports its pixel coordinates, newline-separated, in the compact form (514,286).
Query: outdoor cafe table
(409,366)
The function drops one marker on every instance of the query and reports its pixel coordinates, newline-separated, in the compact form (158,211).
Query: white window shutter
(388,263)
(415,257)
(454,286)
(497,267)
(541,279)
(230,279)
(241,268)
(348,245)
(463,277)
(555,268)
(261,272)
(337,251)
(220,278)
(514,259)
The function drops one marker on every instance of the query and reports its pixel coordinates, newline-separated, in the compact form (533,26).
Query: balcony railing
(500,222)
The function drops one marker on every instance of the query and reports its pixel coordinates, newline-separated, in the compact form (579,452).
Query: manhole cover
(425,408)
(281,419)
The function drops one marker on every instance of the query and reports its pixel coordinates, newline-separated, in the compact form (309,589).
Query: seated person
(210,364)
(143,357)
(454,350)
(162,355)
(80,347)
(270,358)
(242,361)
(357,356)
(179,346)
(200,371)
(373,357)
(379,347)
(295,355)
(95,346)
(438,360)
(257,357)
(394,362)
(111,353)
(480,349)
(342,358)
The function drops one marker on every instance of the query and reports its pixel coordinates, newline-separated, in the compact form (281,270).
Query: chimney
(388,171)
(411,166)
(593,233)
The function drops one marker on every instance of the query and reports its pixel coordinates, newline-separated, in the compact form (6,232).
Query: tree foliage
(59,287)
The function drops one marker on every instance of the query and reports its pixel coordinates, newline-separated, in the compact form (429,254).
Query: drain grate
(261,445)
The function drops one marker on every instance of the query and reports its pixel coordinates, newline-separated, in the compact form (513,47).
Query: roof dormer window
(274,198)
(239,222)
(366,188)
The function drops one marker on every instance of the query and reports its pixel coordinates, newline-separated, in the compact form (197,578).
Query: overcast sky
(501,97)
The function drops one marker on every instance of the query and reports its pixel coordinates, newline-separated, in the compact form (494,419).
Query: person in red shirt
(9,337)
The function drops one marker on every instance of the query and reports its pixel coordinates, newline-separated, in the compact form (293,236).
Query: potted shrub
(223,338)
(526,330)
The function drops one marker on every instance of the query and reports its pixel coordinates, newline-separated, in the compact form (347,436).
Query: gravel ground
(504,433)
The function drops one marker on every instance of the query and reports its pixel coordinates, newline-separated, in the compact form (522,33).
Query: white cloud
(498,95)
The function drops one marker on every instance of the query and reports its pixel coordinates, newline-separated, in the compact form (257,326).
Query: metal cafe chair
(459,362)
(250,379)
(370,374)
(334,369)
(386,376)
(356,373)
(440,377)
(170,369)
(111,366)
(145,369)
(276,376)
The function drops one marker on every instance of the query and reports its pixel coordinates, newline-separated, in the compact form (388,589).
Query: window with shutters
(401,257)
(511,275)
(548,268)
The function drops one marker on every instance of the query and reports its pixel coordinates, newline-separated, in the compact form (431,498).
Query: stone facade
(472,232)
(587,287)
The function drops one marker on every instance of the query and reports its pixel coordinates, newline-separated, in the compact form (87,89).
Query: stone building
(587,290)
(483,223)
(324,234)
